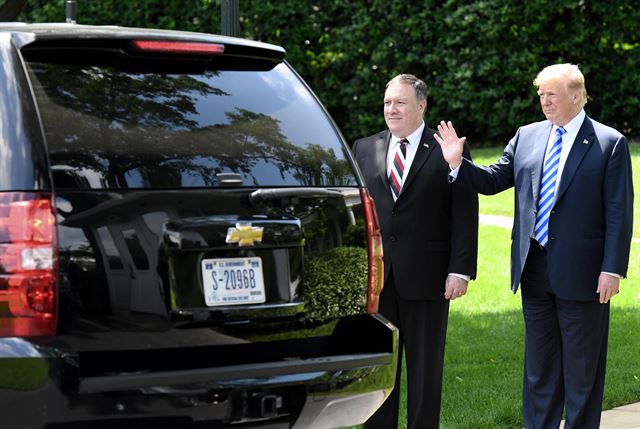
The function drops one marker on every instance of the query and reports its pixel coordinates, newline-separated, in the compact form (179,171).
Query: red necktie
(397,168)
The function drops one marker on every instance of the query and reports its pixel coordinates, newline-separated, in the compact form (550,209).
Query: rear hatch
(184,238)
(203,196)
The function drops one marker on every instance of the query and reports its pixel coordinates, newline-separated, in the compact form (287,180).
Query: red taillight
(374,240)
(167,47)
(28,265)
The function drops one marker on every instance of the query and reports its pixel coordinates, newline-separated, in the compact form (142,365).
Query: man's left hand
(454,287)
(608,286)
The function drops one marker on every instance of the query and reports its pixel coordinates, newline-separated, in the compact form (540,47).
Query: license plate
(233,281)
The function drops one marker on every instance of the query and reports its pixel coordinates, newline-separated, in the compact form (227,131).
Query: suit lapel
(584,140)
(381,148)
(426,146)
(537,155)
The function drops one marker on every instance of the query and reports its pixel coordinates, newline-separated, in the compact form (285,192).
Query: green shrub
(335,283)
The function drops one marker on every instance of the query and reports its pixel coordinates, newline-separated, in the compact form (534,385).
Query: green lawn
(483,361)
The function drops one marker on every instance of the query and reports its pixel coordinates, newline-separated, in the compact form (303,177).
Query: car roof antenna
(70,11)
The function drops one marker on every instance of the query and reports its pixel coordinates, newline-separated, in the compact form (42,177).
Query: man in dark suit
(429,232)
(571,242)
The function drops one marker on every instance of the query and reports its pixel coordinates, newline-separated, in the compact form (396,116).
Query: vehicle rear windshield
(107,127)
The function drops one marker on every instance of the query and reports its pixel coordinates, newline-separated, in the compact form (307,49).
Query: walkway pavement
(624,417)
(503,221)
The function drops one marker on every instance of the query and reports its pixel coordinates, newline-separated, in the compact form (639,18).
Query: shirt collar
(573,126)
(413,138)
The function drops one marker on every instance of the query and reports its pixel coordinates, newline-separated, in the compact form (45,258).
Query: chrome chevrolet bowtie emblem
(244,234)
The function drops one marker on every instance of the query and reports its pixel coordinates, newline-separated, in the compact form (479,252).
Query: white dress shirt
(568,138)
(412,148)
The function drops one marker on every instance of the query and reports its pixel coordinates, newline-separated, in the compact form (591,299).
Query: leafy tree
(478,57)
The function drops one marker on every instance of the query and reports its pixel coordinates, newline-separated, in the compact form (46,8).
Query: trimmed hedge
(478,57)
(335,283)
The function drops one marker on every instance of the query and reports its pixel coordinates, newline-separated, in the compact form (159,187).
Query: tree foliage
(478,57)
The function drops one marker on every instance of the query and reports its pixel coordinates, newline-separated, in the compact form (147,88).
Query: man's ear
(576,97)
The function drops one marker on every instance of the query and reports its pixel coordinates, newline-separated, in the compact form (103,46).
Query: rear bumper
(235,375)
(341,387)
(336,411)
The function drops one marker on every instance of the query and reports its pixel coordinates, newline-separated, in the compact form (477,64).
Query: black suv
(185,240)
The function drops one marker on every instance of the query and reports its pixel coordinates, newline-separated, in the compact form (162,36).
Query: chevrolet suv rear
(185,240)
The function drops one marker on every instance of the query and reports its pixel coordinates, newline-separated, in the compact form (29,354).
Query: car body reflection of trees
(166,140)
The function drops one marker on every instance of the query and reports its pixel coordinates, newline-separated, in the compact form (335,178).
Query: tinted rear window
(108,127)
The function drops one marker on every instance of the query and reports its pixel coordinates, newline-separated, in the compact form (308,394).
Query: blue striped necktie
(548,188)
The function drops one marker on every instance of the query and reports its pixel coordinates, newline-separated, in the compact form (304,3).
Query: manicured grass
(484,354)
(483,358)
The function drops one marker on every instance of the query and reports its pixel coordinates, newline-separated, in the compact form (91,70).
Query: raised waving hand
(450,143)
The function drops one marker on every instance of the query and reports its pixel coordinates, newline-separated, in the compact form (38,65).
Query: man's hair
(570,74)
(408,79)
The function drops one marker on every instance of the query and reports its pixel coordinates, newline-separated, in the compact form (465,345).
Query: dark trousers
(423,330)
(565,353)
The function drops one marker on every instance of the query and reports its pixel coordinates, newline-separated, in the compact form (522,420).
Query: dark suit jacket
(432,229)
(592,218)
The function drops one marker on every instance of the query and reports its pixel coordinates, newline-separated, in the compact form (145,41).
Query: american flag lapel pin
(585,141)
(425,145)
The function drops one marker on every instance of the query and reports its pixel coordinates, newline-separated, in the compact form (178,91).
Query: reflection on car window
(135,249)
(118,129)
(110,249)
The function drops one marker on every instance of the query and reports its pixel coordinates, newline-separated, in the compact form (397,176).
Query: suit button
(393,212)
(393,239)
